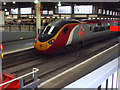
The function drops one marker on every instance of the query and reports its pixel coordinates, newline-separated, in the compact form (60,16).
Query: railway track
(51,65)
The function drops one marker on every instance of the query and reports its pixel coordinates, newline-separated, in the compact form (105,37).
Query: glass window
(46,30)
(55,30)
(51,30)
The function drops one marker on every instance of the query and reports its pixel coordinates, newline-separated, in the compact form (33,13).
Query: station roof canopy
(50,4)
(62,0)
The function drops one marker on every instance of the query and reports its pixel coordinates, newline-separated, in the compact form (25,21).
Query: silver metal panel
(90,35)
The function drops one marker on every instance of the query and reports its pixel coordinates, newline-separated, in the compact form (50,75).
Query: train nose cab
(46,38)
(53,37)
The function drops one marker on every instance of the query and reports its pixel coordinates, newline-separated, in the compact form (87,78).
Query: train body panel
(60,42)
(82,32)
(65,32)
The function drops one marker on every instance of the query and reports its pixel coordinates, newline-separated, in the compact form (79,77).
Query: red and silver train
(61,33)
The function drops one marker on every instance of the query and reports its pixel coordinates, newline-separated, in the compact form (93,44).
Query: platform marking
(77,66)
(18,50)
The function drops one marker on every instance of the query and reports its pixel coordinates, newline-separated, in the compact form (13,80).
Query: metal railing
(104,77)
(31,85)
(19,28)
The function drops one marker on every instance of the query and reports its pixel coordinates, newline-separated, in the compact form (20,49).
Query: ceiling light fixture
(98,18)
(59,4)
(4,3)
(55,6)
(89,18)
(53,17)
(36,1)
(5,9)
(14,2)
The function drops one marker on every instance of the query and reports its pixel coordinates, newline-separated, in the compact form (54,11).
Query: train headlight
(35,40)
(51,42)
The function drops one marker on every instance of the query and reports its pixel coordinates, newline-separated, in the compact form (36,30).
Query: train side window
(102,29)
(99,23)
(65,29)
(95,29)
(90,28)
(108,27)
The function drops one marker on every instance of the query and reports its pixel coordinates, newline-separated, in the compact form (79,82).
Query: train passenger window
(99,23)
(118,23)
(65,29)
(90,28)
(101,29)
(95,29)
(108,27)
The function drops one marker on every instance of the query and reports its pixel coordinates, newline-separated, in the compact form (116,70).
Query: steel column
(38,18)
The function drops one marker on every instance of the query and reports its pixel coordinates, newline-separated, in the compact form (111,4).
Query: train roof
(62,22)
(99,21)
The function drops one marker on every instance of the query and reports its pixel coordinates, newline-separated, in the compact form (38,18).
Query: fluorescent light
(48,17)
(67,17)
(8,17)
(15,17)
(58,17)
(36,1)
(93,18)
(89,18)
(4,3)
(42,17)
(30,17)
(98,18)
(55,6)
(53,17)
(5,9)
(14,2)
(59,4)
(7,13)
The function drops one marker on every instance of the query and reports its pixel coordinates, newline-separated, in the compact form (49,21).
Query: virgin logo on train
(81,33)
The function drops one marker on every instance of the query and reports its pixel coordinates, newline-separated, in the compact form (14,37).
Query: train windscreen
(48,32)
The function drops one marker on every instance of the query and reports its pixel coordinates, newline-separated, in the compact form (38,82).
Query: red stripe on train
(115,28)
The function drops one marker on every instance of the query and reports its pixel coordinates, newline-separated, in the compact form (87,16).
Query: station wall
(14,36)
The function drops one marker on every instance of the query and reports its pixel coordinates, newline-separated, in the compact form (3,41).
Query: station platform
(15,46)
